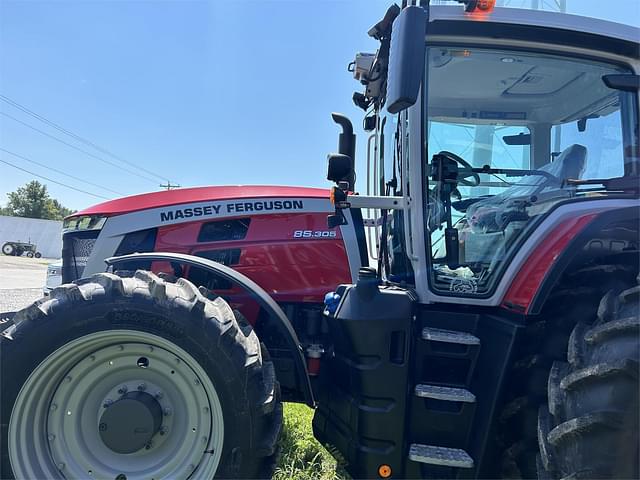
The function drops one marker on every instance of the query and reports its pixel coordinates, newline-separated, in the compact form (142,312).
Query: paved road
(21,281)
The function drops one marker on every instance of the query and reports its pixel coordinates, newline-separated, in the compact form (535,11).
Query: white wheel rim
(53,428)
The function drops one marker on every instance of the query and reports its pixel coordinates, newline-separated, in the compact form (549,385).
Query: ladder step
(445,393)
(449,336)
(449,457)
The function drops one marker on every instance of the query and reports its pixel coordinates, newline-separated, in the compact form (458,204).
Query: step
(449,457)
(449,336)
(445,393)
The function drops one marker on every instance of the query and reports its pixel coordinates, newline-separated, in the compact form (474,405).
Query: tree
(33,201)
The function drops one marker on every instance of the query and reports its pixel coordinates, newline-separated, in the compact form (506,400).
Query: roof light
(479,6)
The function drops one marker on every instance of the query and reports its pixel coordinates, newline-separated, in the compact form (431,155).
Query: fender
(257,293)
(583,237)
(549,261)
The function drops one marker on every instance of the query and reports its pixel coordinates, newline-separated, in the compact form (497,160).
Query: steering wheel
(461,161)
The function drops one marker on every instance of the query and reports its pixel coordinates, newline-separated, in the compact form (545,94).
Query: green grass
(302,457)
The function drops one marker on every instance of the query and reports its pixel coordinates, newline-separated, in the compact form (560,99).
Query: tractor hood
(180,196)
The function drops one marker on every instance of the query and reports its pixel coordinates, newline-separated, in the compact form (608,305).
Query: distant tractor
(18,249)
(474,315)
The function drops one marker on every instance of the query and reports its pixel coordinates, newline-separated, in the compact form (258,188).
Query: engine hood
(180,196)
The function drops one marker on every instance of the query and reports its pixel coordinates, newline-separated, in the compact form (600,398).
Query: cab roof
(181,196)
(534,20)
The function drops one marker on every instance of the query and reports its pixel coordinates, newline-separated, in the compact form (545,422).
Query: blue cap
(331,300)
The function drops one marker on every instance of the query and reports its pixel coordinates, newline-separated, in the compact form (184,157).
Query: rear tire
(8,249)
(210,377)
(590,428)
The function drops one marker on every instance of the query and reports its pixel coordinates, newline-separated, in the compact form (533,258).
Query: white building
(45,234)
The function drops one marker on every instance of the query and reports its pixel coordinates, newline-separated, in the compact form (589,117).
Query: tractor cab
(481,128)
(502,204)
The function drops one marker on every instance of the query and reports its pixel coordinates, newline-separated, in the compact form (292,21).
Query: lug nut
(122,390)
(163,430)
(167,412)
(53,407)
(158,395)
(107,403)
(142,387)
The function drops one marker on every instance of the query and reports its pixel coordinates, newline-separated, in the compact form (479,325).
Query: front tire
(590,428)
(203,383)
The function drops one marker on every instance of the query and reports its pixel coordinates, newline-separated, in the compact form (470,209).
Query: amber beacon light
(384,471)
(479,6)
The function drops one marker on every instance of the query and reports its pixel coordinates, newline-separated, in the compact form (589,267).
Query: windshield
(540,126)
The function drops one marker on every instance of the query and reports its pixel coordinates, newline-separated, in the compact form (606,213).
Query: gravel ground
(21,281)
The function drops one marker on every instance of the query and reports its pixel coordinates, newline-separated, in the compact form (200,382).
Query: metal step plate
(445,393)
(449,336)
(449,457)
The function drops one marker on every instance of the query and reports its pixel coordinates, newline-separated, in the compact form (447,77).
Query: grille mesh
(76,250)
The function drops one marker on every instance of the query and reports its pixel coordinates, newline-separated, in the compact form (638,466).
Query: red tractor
(479,321)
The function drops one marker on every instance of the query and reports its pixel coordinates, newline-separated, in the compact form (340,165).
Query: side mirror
(406,58)
(339,168)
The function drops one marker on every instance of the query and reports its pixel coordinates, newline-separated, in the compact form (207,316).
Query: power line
(75,136)
(108,162)
(59,171)
(53,181)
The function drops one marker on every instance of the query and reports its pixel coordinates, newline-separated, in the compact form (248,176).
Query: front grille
(76,250)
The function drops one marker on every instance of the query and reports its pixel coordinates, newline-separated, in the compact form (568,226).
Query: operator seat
(489,214)
(570,164)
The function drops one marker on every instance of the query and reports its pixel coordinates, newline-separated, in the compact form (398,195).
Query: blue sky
(217,92)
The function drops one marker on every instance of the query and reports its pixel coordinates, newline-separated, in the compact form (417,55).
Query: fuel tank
(361,404)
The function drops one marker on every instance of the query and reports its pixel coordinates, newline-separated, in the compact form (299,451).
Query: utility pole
(169,185)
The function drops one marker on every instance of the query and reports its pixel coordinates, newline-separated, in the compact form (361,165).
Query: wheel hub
(128,424)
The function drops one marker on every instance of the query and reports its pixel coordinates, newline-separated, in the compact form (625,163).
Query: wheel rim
(7,249)
(54,428)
